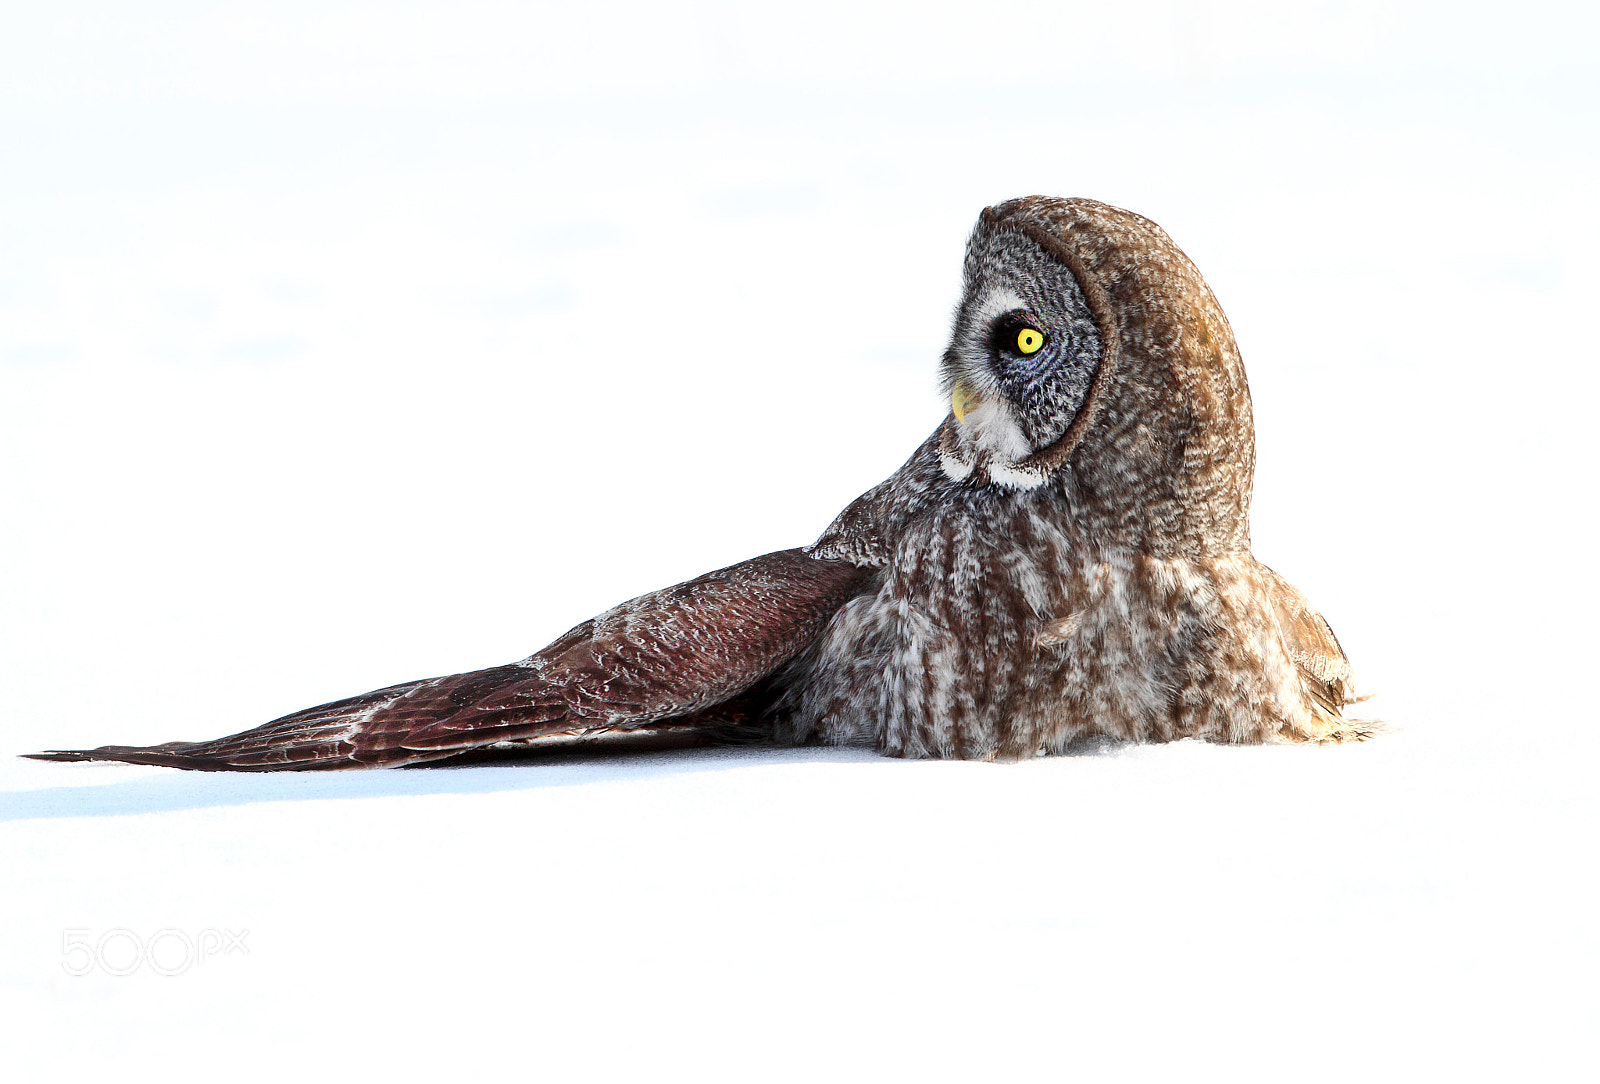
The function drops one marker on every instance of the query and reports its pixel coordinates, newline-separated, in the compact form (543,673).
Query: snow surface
(347,344)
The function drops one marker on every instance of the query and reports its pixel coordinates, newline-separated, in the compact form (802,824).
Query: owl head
(1087,350)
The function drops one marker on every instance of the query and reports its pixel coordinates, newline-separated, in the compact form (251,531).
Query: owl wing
(665,655)
(1324,669)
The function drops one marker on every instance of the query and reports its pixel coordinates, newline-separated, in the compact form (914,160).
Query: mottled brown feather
(668,656)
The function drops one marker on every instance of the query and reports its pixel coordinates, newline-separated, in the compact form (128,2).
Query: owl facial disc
(1023,357)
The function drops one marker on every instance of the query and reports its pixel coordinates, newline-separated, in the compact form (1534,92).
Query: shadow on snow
(169,791)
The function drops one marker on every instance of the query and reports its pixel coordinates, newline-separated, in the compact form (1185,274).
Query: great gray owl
(1066,557)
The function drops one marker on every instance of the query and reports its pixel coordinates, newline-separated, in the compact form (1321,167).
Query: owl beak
(961,400)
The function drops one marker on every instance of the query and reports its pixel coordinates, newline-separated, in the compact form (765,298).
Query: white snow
(345,344)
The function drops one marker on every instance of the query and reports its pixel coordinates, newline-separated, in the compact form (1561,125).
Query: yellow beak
(961,400)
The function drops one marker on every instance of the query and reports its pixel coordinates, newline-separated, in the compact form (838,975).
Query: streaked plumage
(1068,559)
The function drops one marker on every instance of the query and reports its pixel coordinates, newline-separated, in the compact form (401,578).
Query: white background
(342,344)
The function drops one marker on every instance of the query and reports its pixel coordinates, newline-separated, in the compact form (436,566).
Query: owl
(1065,559)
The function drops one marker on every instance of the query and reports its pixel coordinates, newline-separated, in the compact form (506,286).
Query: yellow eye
(1029,340)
